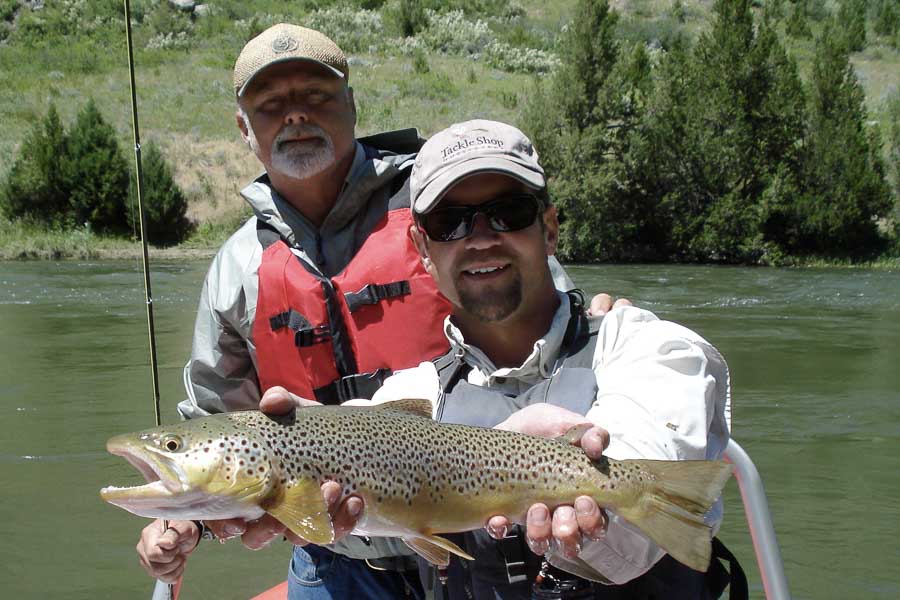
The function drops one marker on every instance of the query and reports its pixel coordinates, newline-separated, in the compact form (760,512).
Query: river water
(814,360)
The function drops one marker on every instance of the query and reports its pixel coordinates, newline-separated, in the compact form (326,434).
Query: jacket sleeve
(664,393)
(221,373)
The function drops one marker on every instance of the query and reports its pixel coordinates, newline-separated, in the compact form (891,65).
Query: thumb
(185,534)
(278,401)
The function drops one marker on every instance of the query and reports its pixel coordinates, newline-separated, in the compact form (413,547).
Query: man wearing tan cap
(321,293)
(524,357)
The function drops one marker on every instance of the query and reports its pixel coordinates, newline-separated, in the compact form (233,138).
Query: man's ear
(421,246)
(352,102)
(551,230)
(242,126)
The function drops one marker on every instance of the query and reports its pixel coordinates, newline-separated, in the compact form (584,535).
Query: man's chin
(490,306)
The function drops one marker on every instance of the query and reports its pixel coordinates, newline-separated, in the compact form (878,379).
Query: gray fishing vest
(506,568)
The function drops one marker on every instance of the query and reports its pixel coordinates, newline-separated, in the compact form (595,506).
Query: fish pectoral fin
(435,550)
(573,434)
(302,509)
(415,406)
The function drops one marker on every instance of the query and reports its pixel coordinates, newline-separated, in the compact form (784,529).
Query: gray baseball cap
(464,149)
(285,42)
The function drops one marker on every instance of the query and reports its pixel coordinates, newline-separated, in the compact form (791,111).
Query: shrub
(851,18)
(165,206)
(352,30)
(886,19)
(8,9)
(406,17)
(36,188)
(97,173)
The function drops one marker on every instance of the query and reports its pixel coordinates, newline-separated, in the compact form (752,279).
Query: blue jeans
(317,573)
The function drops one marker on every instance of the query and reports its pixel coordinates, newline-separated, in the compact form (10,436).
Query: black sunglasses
(510,213)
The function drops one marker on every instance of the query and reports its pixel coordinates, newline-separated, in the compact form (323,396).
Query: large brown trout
(418,478)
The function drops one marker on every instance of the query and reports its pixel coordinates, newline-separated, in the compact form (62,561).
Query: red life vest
(338,338)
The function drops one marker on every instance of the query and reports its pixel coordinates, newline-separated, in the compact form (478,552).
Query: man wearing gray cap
(316,299)
(523,356)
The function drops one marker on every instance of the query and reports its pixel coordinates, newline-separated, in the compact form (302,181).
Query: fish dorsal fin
(302,509)
(416,406)
(435,550)
(573,435)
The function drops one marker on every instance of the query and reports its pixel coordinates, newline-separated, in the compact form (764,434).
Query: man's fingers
(348,513)
(603,303)
(591,518)
(622,302)
(538,529)
(565,532)
(600,304)
(226,529)
(594,442)
(278,401)
(261,532)
(497,527)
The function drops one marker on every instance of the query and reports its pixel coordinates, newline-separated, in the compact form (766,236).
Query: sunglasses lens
(447,224)
(455,222)
(512,214)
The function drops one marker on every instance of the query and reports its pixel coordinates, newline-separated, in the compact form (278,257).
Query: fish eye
(172,443)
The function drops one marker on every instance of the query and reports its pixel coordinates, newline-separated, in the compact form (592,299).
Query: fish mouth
(165,488)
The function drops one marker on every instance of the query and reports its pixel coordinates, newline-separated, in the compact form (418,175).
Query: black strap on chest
(374,293)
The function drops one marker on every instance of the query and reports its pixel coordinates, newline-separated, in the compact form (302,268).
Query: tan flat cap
(285,42)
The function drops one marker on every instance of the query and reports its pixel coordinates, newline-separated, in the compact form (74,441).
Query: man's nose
(483,236)
(296,113)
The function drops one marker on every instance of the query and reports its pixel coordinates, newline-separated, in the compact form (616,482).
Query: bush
(36,188)
(851,18)
(97,173)
(165,206)
(352,30)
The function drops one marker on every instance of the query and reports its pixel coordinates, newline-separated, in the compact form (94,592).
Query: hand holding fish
(261,532)
(603,303)
(567,525)
(163,552)
(344,515)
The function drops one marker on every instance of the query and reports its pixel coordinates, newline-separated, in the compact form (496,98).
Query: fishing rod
(162,591)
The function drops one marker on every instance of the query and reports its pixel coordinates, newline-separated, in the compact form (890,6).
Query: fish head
(207,468)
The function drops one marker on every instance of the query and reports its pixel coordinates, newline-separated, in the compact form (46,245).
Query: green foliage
(886,19)
(406,17)
(420,62)
(97,173)
(80,179)
(846,189)
(851,20)
(8,9)
(797,25)
(36,188)
(165,206)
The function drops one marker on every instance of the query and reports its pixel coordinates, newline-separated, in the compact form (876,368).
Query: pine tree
(36,187)
(845,187)
(851,18)
(98,173)
(725,119)
(165,206)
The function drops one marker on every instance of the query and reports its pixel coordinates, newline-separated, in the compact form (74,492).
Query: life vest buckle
(312,335)
(374,293)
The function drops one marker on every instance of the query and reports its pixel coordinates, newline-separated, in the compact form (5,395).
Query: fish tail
(671,510)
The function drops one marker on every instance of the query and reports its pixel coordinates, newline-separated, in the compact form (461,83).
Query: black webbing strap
(735,578)
(289,318)
(374,293)
(359,385)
